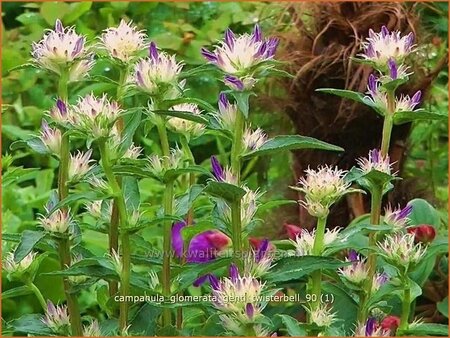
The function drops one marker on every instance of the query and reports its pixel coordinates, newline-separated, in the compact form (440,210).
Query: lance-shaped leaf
(185,115)
(34,143)
(420,114)
(132,123)
(201,103)
(294,268)
(27,242)
(426,329)
(31,324)
(172,174)
(291,142)
(347,94)
(229,192)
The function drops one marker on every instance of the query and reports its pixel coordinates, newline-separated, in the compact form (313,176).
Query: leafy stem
(119,200)
(318,247)
(406,304)
(38,294)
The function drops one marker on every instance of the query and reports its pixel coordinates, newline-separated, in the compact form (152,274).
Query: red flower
(423,233)
(292,230)
(390,323)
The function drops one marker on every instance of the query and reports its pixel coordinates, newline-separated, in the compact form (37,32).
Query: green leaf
(79,196)
(132,123)
(420,114)
(99,267)
(347,94)
(427,329)
(274,204)
(183,115)
(16,292)
(27,243)
(242,101)
(294,268)
(293,327)
(423,213)
(51,11)
(31,324)
(185,201)
(172,174)
(76,10)
(144,321)
(442,306)
(201,103)
(228,192)
(132,169)
(291,142)
(343,304)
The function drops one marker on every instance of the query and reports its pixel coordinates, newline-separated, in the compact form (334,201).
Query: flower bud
(292,230)
(423,233)
(304,242)
(227,113)
(371,329)
(11,266)
(51,137)
(57,221)
(253,140)
(56,317)
(79,165)
(401,251)
(92,330)
(390,323)
(123,42)
(357,272)
(221,174)
(397,218)
(184,126)
(375,161)
(322,316)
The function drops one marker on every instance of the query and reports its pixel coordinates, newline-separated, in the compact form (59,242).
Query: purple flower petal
(234,273)
(370,326)
(61,107)
(372,84)
(393,70)
(249,310)
(256,36)
(415,100)
(261,50)
(177,239)
(217,168)
(262,250)
(353,256)
(59,28)
(223,102)
(200,280)
(214,282)
(139,79)
(384,31)
(272,45)
(209,56)
(153,51)
(51,309)
(204,246)
(409,40)
(78,46)
(229,38)
(405,212)
(234,82)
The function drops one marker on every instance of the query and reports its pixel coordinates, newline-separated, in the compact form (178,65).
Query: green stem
(72,304)
(236,220)
(167,225)
(316,276)
(63,192)
(38,294)
(388,123)
(119,199)
(406,305)
(362,307)
(113,233)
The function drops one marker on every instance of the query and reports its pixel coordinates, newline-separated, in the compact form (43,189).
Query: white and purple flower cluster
(239,57)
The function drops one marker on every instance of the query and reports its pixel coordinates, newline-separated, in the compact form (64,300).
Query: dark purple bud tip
(214,282)
(393,69)
(233,82)
(406,211)
(59,28)
(371,325)
(353,256)
(200,280)
(262,250)
(372,83)
(250,310)
(415,100)
(217,168)
(234,273)
(61,107)
(384,31)
(374,155)
(209,56)
(223,101)
(153,51)
(257,35)
(78,46)
(229,38)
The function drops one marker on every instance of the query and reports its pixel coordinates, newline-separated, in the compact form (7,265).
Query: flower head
(185,126)
(379,279)
(254,139)
(375,161)
(322,315)
(292,230)
(63,50)
(259,260)
(239,54)
(304,241)
(51,137)
(390,323)
(157,74)
(397,217)
(222,174)
(371,329)
(92,330)
(56,317)
(384,45)
(57,221)
(59,113)
(203,247)
(227,113)
(95,115)
(357,272)
(123,42)
(249,205)
(11,266)
(401,250)
(159,164)
(322,188)
(79,165)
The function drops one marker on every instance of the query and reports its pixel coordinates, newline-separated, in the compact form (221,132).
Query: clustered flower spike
(158,74)
(57,221)
(401,250)
(380,47)
(63,50)
(239,56)
(123,42)
(397,217)
(11,266)
(375,161)
(185,126)
(304,241)
(79,165)
(56,317)
(322,188)
(95,115)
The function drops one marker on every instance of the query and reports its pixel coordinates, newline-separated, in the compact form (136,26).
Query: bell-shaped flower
(62,50)
(203,247)
(123,42)
(384,45)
